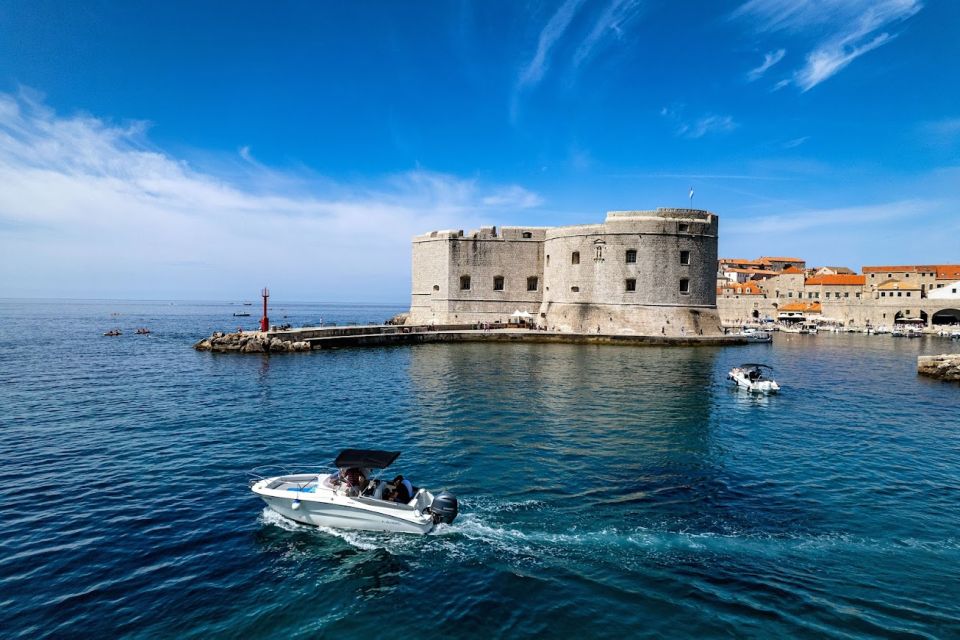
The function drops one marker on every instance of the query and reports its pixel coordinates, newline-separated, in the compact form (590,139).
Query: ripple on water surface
(605,491)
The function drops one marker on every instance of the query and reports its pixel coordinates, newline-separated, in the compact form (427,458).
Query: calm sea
(605,491)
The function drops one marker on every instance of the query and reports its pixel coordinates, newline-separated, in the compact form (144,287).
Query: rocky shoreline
(249,342)
(942,367)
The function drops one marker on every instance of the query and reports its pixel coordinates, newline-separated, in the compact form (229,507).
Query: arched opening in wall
(755,314)
(575,257)
(631,256)
(947,316)
(527,234)
(908,315)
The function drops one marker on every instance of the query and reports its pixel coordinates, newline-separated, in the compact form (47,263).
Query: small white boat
(754,335)
(349,499)
(749,376)
(897,332)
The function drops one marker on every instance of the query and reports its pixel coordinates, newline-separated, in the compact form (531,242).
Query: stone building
(638,273)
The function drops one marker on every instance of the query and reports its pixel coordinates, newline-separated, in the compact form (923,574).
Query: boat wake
(482,534)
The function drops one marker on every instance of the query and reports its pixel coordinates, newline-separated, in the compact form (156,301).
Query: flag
(691,193)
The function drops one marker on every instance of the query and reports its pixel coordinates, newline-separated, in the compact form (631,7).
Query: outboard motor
(444,507)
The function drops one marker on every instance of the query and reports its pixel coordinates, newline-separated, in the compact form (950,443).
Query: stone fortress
(645,273)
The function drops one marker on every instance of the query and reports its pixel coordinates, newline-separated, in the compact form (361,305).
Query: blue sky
(201,150)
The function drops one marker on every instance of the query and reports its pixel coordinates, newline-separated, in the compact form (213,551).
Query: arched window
(575,257)
(631,256)
(527,234)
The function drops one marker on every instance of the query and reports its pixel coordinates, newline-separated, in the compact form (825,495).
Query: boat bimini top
(365,458)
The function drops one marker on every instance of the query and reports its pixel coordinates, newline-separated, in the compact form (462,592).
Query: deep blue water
(605,491)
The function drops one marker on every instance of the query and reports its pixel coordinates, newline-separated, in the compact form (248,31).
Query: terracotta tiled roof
(746,289)
(806,307)
(792,270)
(739,261)
(781,259)
(948,271)
(758,272)
(903,268)
(839,279)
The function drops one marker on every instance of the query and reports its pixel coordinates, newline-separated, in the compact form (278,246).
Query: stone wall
(441,259)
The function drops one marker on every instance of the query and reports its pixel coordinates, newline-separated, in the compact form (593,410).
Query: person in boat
(354,478)
(753,374)
(402,490)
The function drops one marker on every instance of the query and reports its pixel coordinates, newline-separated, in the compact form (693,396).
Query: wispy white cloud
(533,71)
(612,20)
(843,30)
(558,36)
(91,208)
(796,142)
(769,59)
(698,127)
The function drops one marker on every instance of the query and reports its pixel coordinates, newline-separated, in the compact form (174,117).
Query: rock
(943,367)
(253,346)
(301,346)
(203,345)
(400,318)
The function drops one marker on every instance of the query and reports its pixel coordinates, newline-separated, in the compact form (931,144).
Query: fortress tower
(638,273)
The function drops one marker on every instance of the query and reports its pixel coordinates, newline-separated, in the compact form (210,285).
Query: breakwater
(310,338)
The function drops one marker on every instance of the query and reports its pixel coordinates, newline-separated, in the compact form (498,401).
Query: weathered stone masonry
(638,273)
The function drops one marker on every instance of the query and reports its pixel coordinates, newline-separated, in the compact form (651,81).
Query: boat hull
(344,517)
(762,386)
(323,508)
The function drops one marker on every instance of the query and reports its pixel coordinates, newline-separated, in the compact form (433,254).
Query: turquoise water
(605,491)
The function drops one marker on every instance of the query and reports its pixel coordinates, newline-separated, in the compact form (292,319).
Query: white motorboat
(754,335)
(350,499)
(750,376)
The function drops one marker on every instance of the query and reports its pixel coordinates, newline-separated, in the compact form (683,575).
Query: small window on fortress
(498,283)
(684,227)
(575,257)
(436,287)
(527,234)
(631,256)
(532,283)
(575,289)
(465,283)
(684,285)
(684,257)
(548,259)
(631,284)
